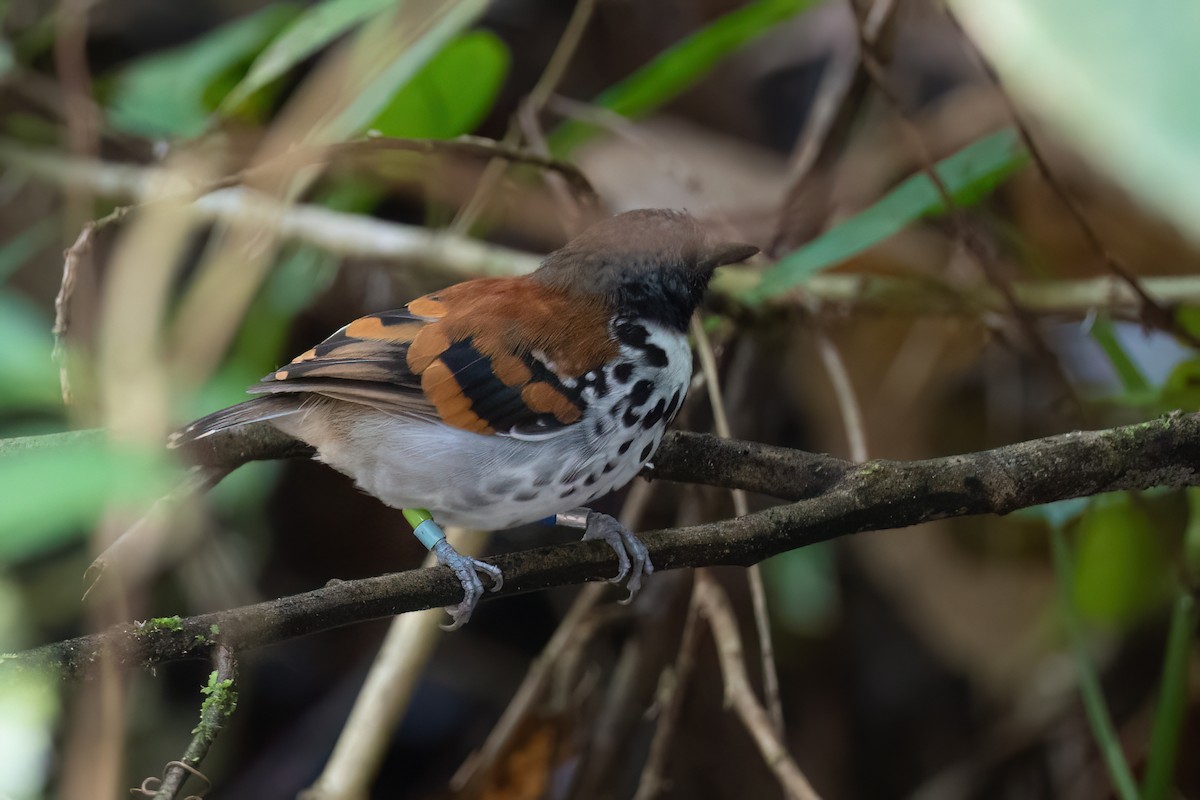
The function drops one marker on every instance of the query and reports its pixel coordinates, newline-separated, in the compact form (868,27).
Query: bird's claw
(467,570)
(633,558)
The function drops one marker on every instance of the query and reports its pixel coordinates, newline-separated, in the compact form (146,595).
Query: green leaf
(1191,538)
(390,51)
(1133,381)
(1181,389)
(163,94)
(680,66)
(7,60)
(28,377)
(1173,702)
(1122,568)
(969,175)
(1118,80)
(452,94)
(53,487)
(1092,693)
(312,30)
(802,588)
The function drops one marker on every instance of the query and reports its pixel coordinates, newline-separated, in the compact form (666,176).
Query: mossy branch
(832,497)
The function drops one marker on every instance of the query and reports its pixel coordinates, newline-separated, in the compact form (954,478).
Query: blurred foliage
(1122,569)
(54,485)
(1129,115)
(319,25)
(444,80)
(166,94)
(680,66)
(969,176)
(452,94)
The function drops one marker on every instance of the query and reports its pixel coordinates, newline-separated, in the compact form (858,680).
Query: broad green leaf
(969,175)
(452,93)
(163,94)
(316,27)
(28,377)
(50,493)
(680,66)
(1116,79)
(1181,389)
(1121,567)
(391,50)
(802,587)
(1133,381)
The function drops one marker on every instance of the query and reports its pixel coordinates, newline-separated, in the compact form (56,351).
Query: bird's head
(650,263)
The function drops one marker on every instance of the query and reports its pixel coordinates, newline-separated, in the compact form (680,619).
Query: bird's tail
(228,437)
(258,410)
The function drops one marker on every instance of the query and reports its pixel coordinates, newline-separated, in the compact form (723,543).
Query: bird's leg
(632,556)
(465,568)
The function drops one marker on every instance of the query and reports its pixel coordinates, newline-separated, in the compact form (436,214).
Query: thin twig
(758,592)
(79,110)
(569,636)
(714,605)
(531,690)
(556,67)
(386,693)
(843,390)
(73,259)
(878,495)
(970,243)
(675,684)
(350,235)
(1153,311)
(75,254)
(628,689)
(826,133)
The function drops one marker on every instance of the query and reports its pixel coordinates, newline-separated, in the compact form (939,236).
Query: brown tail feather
(260,409)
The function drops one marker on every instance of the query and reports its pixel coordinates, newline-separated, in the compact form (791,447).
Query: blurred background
(190,194)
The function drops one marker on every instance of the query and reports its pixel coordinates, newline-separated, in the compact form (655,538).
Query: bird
(502,401)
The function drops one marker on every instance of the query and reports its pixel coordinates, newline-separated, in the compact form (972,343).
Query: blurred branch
(925,296)
(873,62)
(714,605)
(840,499)
(741,507)
(357,235)
(1152,311)
(530,108)
(386,692)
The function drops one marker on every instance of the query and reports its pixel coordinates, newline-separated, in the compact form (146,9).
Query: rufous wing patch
(372,327)
(545,399)
(430,306)
(427,347)
(494,354)
(452,406)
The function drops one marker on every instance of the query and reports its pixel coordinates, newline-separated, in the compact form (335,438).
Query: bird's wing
(494,355)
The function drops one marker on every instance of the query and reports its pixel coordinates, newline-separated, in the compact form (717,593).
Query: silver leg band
(575,518)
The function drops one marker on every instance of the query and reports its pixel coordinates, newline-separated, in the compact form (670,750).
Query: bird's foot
(467,570)
(632,555)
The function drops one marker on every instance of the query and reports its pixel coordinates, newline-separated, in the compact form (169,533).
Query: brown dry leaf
(523,772)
